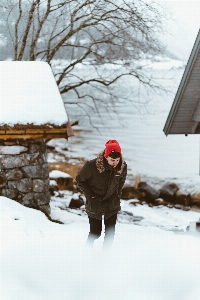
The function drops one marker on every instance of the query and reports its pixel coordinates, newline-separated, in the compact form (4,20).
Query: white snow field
(41,260)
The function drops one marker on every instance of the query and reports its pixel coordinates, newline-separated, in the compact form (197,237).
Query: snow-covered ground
(41,260)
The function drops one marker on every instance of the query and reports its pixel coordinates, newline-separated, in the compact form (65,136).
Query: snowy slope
(41,260)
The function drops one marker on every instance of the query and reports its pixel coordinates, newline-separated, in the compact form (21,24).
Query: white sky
(185,27)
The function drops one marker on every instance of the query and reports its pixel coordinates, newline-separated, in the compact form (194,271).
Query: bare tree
(108,37)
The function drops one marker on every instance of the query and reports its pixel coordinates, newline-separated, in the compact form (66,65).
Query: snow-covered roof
(29,94)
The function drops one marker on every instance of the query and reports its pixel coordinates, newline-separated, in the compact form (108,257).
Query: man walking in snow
(101,180)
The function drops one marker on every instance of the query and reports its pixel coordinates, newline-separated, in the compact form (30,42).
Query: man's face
(113,162)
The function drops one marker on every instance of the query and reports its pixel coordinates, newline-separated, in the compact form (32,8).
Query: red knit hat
(112,146)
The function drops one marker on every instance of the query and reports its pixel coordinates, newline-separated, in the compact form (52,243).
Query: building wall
(24,173)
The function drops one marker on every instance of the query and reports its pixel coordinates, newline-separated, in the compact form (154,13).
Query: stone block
(24,185)
(38,171)
(14,174)
(38,185)
(33,148)
(28,200)
(9,193)
(22,160)
(36,159)
(12,150)
(3,180)
(42,198)
(46,185)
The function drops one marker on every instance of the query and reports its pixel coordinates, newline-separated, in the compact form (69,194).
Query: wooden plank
(33,131)
(183,118)
(184,110)
(33,136)
(53,130)
(194,127)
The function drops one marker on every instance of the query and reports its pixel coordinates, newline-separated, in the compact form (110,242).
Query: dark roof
(184,116)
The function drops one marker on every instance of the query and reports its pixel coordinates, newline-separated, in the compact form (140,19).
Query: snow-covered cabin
(184,116)
(31,113)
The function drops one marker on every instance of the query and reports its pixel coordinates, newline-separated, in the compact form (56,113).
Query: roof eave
(182,84)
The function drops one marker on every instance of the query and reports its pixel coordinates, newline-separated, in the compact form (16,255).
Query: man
(101,180)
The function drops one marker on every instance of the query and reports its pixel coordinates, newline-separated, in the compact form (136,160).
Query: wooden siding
(182,116)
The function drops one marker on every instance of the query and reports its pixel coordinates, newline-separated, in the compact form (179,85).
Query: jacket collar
(101,167)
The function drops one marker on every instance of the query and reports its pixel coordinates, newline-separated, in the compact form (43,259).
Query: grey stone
(11,161)
(34,148)
(182,198)
(168,191)
(12,184)
(28,200)
(76,203)
(151,194)
(14,174)
(12,150)
(46,185)
(38,171)
(178,206)
(186,208)
(3,180)
(42,198)
(38,185)
(9,193)
(36,158)
(25,185)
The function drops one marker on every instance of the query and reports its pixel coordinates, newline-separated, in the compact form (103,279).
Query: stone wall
(24,173)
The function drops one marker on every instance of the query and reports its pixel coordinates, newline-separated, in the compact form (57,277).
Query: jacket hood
(101,165)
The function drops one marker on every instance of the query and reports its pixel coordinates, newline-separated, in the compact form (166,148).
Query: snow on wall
(29,94)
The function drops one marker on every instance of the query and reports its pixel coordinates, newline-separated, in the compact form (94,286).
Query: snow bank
(29,94)
(50,261)
(58,174)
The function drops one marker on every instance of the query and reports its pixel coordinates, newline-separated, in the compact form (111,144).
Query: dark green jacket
(102,186)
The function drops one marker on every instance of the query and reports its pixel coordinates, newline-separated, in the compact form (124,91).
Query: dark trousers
(96,229)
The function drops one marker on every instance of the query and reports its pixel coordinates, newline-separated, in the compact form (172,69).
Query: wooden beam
(44,135)
(32,131)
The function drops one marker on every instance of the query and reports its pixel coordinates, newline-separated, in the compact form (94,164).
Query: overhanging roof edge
(182,84)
